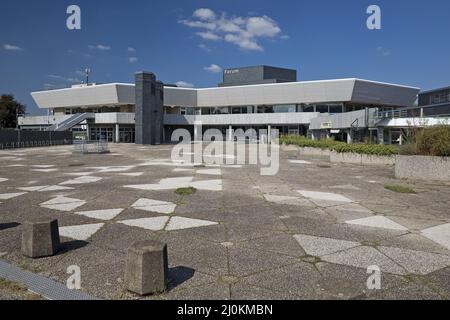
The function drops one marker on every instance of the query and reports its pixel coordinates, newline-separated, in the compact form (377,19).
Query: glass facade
(127,135)
(282,108)
(103,134)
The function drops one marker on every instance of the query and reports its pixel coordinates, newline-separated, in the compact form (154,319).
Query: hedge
(341,147)
(431,141)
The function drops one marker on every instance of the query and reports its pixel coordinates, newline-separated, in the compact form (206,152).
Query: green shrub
(341,147)
(369,149)
(433,141)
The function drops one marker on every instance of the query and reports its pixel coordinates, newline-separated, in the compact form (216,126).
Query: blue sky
(321,39)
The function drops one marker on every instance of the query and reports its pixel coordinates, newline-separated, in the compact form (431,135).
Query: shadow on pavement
(179,275)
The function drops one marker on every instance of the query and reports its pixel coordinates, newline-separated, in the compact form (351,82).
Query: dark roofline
(258,66)
(434,90)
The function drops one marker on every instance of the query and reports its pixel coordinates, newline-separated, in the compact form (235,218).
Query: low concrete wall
(306,151)
(362,159)
(423,168)
(335,157)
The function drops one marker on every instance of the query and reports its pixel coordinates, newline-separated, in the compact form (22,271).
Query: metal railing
(392,114)
(34,144)
(71,122)
(88,147)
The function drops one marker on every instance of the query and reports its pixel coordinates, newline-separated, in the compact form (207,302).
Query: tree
(9,110)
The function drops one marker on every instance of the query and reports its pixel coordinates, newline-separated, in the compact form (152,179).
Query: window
(441,97)
(224,110)
(335,108)
(187,111)
(308,108)
(236,110)
(265,109)
(322,108)
(285,108)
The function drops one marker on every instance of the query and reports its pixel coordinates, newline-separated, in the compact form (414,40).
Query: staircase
(70,122)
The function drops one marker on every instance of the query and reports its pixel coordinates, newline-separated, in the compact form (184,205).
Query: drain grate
(36,283)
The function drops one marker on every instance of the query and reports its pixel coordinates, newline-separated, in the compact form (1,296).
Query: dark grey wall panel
(257,75)
(149,108)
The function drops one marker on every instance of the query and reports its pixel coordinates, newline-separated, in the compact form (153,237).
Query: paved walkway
(309,232)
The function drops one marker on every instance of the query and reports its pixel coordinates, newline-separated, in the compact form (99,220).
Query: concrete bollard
(147,268)
(40,239)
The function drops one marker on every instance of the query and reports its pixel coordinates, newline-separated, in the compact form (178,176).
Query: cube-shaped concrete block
(40,238)
(147,268)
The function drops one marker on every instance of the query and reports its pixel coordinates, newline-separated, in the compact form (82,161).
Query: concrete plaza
(309,232)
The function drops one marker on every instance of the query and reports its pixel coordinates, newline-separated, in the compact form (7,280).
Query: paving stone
(324,196)
(81,232)
(81,180)
(319,246)
(106,214)
(154,224)
(415,242)
(364,257)
(179,223)
(299,280)
(246,260)
(378,222)
(7,196)
(417,262)
(439,234)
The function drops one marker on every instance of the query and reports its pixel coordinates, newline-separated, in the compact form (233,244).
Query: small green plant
(186,191)
(399,189)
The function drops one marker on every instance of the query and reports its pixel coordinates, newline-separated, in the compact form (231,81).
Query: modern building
(435,102)
(254,97)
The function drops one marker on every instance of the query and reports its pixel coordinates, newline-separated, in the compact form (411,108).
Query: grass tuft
(186,191)
(400,189)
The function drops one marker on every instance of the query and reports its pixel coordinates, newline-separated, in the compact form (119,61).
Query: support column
(88,134)
(117,133)
(380,136)
(230,133)
(269,134)
(149,109)
(349,136)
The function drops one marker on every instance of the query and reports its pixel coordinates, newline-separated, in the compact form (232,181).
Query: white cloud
(214,68)
(244,32)
(10,47)
(131,49)
(133,59)
(209,36)
(263,27)
(204,14)
(183,84)
(204,47)
(383,52)
(243,42)
(100,47)
(66,79)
